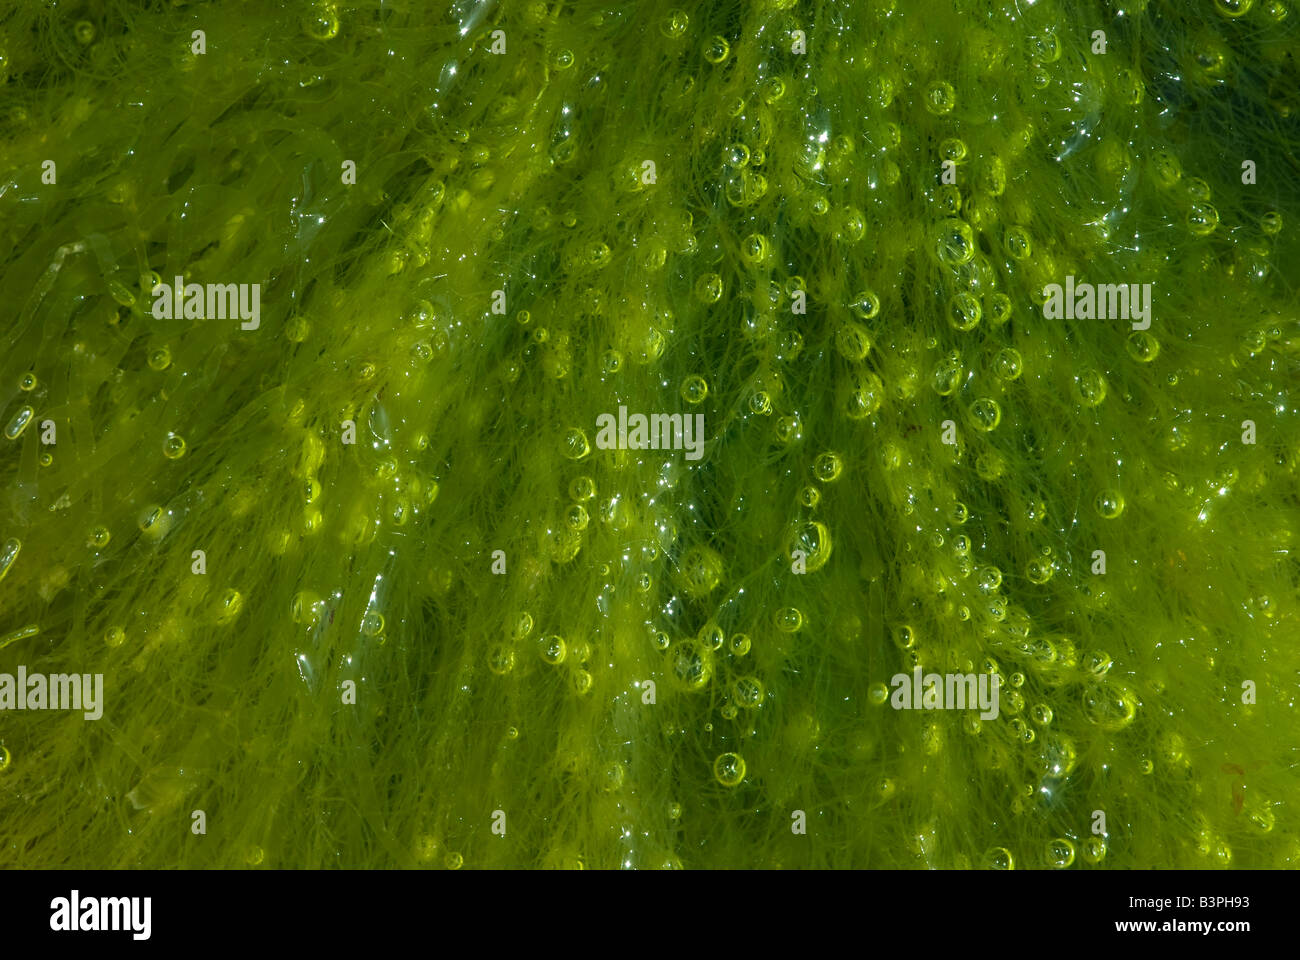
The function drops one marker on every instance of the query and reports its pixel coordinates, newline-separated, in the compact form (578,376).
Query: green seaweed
(429,599)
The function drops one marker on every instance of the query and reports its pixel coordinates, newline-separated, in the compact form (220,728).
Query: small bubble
(98,537)
(15,427)
(952,149)
(1017,243)
(954,242)
(84,31)
(114,636)
(1109,504)
(1142,347)
(788,620)
(828,466)
(575,445)
(1232,8)
(174,446)
(711,637)
(755,249)
(810,497)
(674,24)
(999,311)
(1090,388)
(988,578)
(322,23)
(998,858)
(985,414)
(1094,849)
(1059,853)
(690,664)
(789,429)
(1271,223)
(229,604)
(853,342)
(716,50)
(940,97)
(760,403)
(740,644)
(866,304)
(729,769)
(27,382)
(694,389)
(1202,219)
(501,659)
(947,375)
(582,488)
(1008,363)
(553,649)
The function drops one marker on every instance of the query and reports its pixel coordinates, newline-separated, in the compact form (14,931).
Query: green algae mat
(555,434)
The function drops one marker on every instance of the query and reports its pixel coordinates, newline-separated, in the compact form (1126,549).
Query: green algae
(367,590)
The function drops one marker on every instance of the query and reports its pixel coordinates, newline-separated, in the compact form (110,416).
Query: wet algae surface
(559,434)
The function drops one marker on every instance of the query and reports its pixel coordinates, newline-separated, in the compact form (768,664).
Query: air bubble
(575,445)
(985,414)
(174,446)
(1090,388)
(998,858)
(828,466)
(940,97)
(964,312)
(1109,504)
(788,620)
(1059,853)
(553,649)
(729,769)
(15,427)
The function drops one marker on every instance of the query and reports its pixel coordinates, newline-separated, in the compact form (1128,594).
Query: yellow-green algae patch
(363,586)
